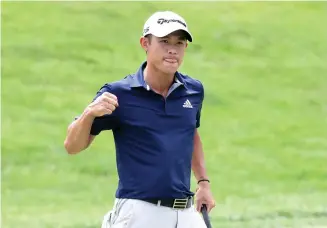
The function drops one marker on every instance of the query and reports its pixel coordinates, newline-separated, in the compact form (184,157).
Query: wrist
(88,113)
(204,182)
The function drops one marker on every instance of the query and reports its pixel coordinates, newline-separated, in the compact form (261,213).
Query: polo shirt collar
(138,79)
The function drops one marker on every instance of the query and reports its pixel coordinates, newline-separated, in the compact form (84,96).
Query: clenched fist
(105,104)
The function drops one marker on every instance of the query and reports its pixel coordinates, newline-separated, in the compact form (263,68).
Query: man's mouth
(171,60)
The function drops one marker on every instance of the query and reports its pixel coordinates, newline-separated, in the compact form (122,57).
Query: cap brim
(165,31)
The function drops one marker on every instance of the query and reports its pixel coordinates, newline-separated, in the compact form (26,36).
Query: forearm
(198,163)
(78,133)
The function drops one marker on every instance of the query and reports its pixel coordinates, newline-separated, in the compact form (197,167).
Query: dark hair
(149,36)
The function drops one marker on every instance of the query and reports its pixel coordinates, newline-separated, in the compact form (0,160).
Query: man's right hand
(105,104)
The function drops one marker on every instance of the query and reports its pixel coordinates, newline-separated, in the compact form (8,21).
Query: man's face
(166,53)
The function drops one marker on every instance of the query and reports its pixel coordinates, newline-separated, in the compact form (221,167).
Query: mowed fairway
(264,124)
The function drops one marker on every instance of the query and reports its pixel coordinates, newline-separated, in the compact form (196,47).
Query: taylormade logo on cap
(162,23)
(162,20)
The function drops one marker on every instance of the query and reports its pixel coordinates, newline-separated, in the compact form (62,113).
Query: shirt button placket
(164,101)
(166,104)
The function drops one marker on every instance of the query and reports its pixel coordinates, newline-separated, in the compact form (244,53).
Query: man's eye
(164,41)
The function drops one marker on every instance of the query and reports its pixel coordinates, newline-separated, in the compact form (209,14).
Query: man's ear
(144,42)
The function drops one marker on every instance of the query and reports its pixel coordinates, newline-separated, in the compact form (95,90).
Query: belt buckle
(180,203)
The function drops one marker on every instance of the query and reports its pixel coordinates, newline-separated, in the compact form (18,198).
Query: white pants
(130,213)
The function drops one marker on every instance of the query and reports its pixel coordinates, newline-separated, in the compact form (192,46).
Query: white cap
(162,23)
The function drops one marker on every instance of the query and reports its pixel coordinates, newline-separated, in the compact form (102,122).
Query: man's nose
(172,51)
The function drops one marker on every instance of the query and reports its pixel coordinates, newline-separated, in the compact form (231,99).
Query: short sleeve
(106,122)
(198,114)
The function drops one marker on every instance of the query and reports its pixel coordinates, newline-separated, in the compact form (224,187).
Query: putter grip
(205,216)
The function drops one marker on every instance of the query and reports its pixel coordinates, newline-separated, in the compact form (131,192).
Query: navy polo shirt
(153,135)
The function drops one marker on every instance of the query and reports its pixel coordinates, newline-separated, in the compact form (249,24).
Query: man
(154,115)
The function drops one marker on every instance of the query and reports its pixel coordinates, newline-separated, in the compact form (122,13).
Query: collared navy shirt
(153,135)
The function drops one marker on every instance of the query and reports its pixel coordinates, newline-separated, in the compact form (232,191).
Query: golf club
(205,216)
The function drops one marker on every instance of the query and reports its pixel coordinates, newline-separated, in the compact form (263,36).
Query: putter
(205,216)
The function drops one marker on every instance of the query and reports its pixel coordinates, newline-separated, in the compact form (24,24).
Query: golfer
(154,114)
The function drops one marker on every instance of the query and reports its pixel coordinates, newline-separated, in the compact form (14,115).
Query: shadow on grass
(84,226)
(275,215)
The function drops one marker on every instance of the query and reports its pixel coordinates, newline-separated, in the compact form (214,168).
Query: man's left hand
(203,196)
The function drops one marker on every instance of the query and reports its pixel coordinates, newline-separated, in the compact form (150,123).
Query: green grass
(264,124)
